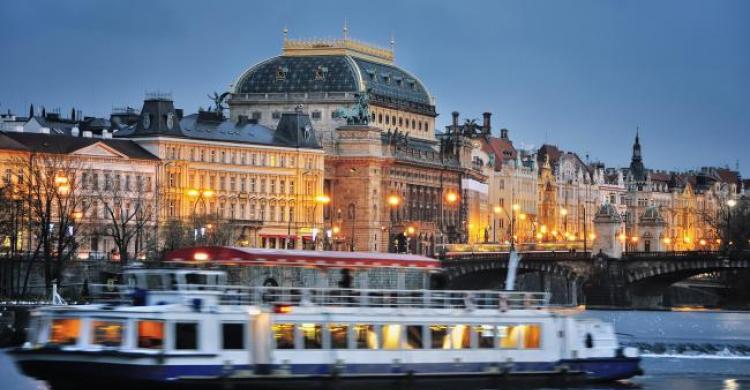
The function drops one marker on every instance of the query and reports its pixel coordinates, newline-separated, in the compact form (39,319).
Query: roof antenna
(286,33)
(393,42)
(346,29)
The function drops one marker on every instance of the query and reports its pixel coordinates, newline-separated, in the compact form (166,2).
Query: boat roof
(228,255)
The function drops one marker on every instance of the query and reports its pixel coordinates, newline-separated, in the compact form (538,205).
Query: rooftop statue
(360,113)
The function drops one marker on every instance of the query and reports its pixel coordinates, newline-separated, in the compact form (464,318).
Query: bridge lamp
(622,237)
(667,240)
(686,239)
(393,200)
(544,229)
(718,240)
(702,242)
(731,203)
(539,236)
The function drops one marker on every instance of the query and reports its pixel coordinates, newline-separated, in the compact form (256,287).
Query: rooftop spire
(346,29)
(393,42)
(637,145)
(286,33)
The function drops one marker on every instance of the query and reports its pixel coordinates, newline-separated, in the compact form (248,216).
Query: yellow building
(255,185)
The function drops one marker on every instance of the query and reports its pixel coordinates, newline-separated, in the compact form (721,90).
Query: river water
(681,350)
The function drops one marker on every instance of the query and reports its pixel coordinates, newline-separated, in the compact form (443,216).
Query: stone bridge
(636,279)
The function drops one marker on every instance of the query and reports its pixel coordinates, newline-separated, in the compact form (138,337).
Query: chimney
(87,134)
(455,118)
(486,125)
(504,134)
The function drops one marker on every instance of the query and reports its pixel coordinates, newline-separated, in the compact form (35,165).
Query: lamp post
(324,200)
(393,202)
(450,198)
(730,205)
(199,196)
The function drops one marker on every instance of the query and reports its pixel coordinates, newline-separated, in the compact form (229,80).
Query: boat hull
(63,374)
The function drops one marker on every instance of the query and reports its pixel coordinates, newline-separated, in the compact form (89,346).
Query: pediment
(98,149)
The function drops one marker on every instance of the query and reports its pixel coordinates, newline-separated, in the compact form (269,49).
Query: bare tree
(127,213)
(50,183)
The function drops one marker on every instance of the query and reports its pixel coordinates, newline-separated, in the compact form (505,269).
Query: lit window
(365,337)
(532,336)
(150,334)
(485,336)
(339,336)
(510,336)
(107,333)
(312,336)
(460,337)
(414,337)
(283,334)
(439,336)
(64,331)
(391,336)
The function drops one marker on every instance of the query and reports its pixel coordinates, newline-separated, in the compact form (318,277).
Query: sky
(579,74)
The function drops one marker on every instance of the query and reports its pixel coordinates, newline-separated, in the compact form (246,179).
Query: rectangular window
(233,336)
(414,337)
(365,337)
(532,336)
(460,337)
(312,336)
(186,335)
(107,333)
(283,334)
(339,336)
(391,336)
(509,336)
(439,336)
(150,334)
(65,331)
(485,336)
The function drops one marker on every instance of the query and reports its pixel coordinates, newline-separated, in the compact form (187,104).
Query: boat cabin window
(339,336)
(460,337)
(233,335)
(65,331)
(485,336)
(439,337)
(365,336)
(414,337)
(154,282)
(312,336)
(391,336)
(509,336)
(283,334)
(532,336)
(107,333)
(186,335)
(150,334)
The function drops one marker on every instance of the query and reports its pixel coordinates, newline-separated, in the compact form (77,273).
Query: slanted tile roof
(63,144)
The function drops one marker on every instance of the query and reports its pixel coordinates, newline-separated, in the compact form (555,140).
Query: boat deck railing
(349,297)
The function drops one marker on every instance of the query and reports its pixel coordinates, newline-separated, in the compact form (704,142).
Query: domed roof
(607,213)
(339,69)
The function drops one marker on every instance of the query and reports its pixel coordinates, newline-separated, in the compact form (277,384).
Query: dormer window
(281,72)
(412,84)
(321,72)
(371,73)
(386,78)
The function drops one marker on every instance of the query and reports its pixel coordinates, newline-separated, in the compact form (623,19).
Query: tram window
(391,336)
(460,337)
(439,336)
(365,336)
(65,331)
(107,333)
(532,336)
(339,336)
(283,334)
(485,336)
(196,278)
(150,334)
(509,335)
(233,336)
(414,337)
(186,335)
(312,336)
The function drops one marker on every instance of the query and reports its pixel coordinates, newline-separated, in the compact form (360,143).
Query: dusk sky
(579,74)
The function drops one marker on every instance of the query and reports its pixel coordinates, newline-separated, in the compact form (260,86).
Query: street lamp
(320,199)
(198,196)
(393,202)
(730,205)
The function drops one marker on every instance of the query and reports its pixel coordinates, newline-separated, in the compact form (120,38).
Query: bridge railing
(525,256)
(670,254)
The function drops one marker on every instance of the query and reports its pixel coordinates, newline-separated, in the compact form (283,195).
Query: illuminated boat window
(391,336)
(510,336)
(439,337)
(312,336)
(150,334)
(365,336)
(414,337)
(186,335)
(107,333)
(283,334)
(485,336)
(460,337)
(339,336)
(532,335)
(65,331)
(233,336)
